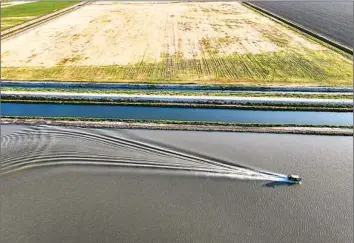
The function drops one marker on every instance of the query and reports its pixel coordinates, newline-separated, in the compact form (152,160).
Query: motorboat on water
(295,179)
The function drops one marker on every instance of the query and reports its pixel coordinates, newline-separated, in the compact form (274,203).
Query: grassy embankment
(18,14)
(176,122)
(217,105)
(187,125)
(190,93)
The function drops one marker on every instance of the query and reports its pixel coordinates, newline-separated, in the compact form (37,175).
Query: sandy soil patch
(107,33)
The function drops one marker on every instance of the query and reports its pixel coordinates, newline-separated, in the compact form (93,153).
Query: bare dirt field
(171,42)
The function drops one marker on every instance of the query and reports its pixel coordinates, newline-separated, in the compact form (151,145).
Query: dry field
(174,42)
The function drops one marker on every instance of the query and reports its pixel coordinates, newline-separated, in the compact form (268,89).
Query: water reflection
(177,113)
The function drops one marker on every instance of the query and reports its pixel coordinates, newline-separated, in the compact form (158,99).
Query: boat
(295,179)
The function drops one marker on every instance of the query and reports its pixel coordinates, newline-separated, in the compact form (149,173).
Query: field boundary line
(178,127)
(176,98)
(301,28)
(10,32)
(166,86)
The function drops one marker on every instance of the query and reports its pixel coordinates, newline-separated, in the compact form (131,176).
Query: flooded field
(64,191)
(333,19)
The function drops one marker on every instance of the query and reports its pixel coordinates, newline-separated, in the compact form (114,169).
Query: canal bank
(174,98)
(182,126)
(197,113)
(170,87)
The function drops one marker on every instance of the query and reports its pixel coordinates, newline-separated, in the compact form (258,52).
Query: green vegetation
(17,14)
(72,59)
(323,68)
(218,105)
(205,123)
(281,41)
(188,125)
(190,93)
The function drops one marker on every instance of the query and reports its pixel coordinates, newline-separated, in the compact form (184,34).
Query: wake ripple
(48,146)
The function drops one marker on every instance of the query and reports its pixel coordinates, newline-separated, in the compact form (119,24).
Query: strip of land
(315,95)
(204,43)
(177,87)
(176,98)
(17,13)
(6,4)
(188,127)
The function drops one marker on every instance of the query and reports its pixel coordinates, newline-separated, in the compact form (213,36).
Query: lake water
(67,193)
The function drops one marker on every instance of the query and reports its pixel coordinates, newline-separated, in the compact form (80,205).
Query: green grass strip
(34,8)
(17,14)
(189,93)
(175,122)
(246,106)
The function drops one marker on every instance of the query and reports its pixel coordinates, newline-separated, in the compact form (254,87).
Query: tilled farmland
(171,42)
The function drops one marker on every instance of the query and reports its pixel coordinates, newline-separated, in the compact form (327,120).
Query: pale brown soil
(109,33)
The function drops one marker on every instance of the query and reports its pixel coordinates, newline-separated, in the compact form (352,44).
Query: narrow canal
(176,113)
